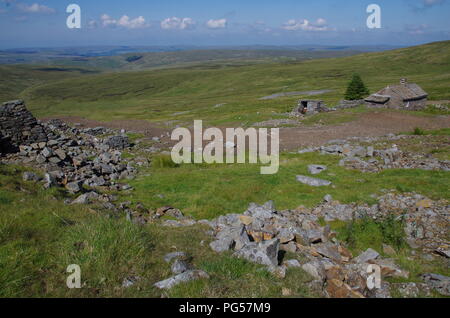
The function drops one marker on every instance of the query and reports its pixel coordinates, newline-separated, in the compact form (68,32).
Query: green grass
(40,236)
(364,233)
(207,191)
(160,95)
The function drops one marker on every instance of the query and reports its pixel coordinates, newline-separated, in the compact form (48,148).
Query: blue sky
(40,23)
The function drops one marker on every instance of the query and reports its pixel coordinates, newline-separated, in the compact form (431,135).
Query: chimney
(404,81)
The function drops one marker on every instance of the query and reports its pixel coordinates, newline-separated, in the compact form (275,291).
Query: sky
(42,23)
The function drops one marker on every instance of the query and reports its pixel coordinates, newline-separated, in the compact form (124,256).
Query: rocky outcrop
(19,125)
(261,232)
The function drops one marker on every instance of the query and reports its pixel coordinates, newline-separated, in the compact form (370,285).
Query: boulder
(314,182)
(264,253)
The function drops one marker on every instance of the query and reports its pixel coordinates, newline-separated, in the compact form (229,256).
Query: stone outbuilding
(406,95)
(309,107)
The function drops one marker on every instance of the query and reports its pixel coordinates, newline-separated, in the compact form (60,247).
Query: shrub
(418,131)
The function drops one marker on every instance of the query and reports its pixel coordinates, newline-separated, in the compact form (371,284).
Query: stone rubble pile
(369,159)
(71,157)
(261,232)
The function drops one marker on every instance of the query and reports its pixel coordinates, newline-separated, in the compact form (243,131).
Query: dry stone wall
(19,125)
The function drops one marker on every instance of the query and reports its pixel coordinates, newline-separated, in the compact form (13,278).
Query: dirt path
(367,125)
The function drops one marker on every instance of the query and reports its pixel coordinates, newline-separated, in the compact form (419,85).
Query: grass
(207,191)
(187,93)
(364,233)
(40,236)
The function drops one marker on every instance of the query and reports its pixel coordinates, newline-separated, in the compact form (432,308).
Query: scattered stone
(440,283)
(175,256)
(316,169)
(181,278)
(86,198)
(30,176)
(313,181)
(180,266)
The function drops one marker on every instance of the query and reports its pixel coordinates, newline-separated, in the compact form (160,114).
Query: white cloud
(305,25)
(217,24)
(35,8)
(124,22)
(431,3)
(175,23)
(417,29)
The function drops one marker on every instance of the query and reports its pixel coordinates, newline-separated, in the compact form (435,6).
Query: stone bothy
(406,95)
(18,126)
(309,106)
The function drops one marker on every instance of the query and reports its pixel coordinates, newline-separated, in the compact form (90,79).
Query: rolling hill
(197,91)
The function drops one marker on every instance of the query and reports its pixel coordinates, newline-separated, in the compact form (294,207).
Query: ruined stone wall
(19,126)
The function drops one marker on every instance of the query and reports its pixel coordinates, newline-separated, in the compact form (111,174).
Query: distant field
(183,94)
(224,93)
(15,78)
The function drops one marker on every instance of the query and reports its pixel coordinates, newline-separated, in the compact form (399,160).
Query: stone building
(406,95)
(18,126)
(309,107)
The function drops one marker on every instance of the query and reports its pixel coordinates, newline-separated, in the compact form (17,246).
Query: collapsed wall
(18,126)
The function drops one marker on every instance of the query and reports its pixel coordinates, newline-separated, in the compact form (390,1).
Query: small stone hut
(309,106)
(408,96)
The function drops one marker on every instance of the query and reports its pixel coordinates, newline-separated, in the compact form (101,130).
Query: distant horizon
(54,24)
(179,46)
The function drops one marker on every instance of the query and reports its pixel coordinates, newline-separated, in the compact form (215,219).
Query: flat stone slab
(314,182)
(181,278)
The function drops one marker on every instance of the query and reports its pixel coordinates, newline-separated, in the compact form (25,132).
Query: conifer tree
(356,89)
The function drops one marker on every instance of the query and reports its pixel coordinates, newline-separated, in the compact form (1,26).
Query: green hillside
(192,92)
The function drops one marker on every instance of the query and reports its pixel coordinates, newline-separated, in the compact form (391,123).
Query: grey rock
(180,266)
(181,278)
(74,187)
(222,245)
(61,154)
(292,263)
(47,152)
(440,283)
(86,198)
(264,253)
(49,180)
(328,198)
(314,182)
(316,169)
(315,269)
(175,256)
(30,176)
(130,281)
(367,256)
(117,142)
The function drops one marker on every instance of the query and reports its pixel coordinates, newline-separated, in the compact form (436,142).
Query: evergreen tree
(356,89)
